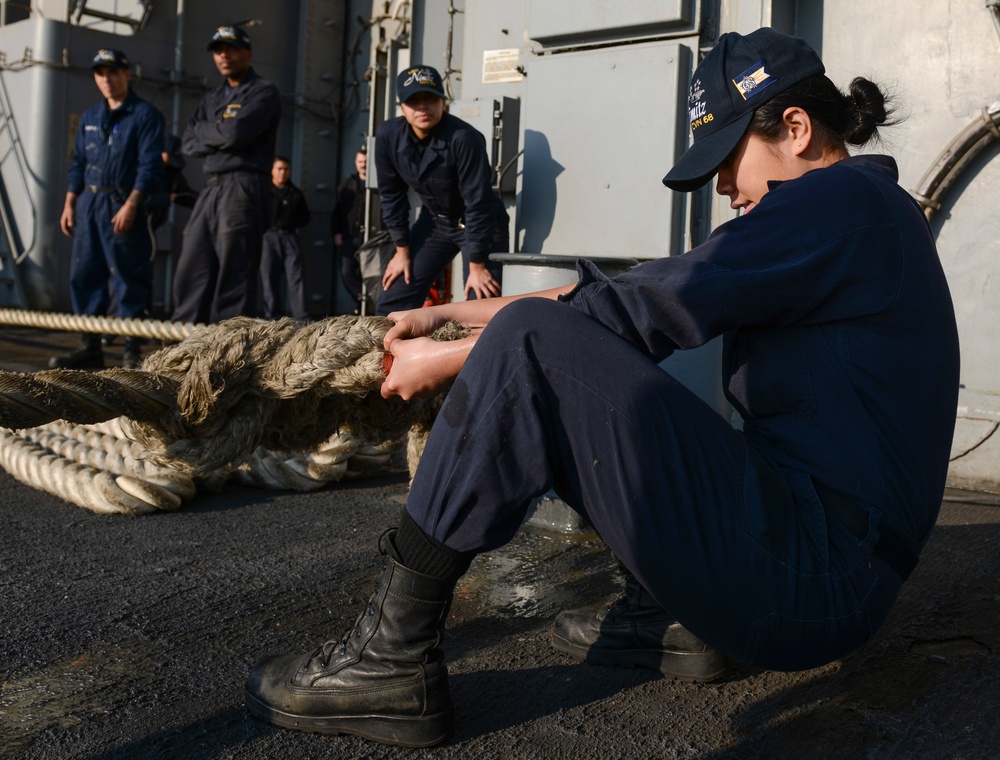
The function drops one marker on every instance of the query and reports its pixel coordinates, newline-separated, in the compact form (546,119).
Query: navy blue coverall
(116,151)
(282,252)
(347,220)
(783,544)
(451,173)
(234,129)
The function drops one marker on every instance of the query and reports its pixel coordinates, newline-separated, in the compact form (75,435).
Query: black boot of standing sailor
(88,356)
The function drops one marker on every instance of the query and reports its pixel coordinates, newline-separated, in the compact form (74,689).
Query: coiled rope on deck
(96,469)
(244,395)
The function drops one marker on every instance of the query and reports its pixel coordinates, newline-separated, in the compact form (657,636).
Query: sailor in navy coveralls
(444,160)
(782,544)
(234,130)
(282,251)
(116,167)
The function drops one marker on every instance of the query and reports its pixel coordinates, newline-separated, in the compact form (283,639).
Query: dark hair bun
(869,110)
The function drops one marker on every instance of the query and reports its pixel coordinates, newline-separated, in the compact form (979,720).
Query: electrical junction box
(599,134)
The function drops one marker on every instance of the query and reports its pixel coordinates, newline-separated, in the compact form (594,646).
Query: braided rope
(97,468)
(78,483)
(139,328)
(84,397)
(271,404)
(105,447)
(248,383)
(342,458)
(211,400)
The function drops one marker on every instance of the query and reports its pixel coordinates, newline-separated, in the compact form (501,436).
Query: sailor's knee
(535,316)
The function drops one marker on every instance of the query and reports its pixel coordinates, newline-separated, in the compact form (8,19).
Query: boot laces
(338,647)
(616,606)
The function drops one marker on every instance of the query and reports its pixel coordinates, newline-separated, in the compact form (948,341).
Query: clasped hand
(421,366)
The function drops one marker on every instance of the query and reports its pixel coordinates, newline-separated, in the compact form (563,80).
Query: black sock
(422,554)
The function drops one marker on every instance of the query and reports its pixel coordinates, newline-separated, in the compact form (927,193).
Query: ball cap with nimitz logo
(418,79)
(737,77)
(231,35)
(109,57)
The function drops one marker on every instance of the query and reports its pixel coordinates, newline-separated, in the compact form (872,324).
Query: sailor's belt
(100,189)
(454,221)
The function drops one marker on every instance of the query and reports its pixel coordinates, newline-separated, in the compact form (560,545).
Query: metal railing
(79,9)
(13,156)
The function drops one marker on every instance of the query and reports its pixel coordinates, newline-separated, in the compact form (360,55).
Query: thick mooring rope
(84,397)
(78,473)
(138,328)
(105,447)
(277,404)
(211,400)
(97,468)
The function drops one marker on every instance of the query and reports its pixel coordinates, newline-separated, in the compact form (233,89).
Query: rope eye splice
(243,390)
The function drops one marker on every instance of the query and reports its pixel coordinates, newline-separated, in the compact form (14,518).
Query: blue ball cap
(418,79)
(113,59)
(737,77)
(230,35)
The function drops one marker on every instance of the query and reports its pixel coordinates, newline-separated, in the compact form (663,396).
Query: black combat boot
(131,354)
(88,356)
(633,630)
(385,679)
